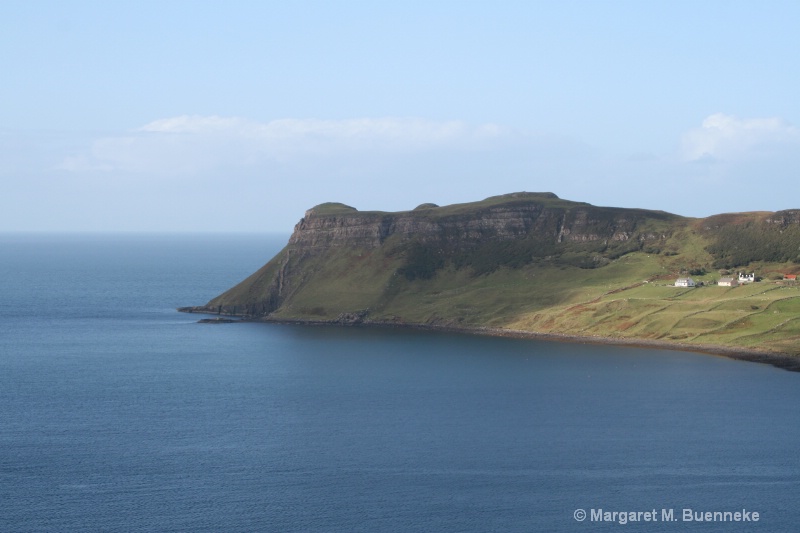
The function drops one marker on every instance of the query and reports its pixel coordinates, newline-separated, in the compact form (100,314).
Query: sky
(153,116)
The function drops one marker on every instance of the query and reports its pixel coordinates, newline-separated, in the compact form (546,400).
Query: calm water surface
(119,414)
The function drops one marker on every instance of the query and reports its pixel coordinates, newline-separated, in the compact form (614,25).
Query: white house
(747,278)
(727,282)
(684,282)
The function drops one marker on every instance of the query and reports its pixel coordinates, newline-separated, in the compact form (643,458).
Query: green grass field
(631,298)
(762,315)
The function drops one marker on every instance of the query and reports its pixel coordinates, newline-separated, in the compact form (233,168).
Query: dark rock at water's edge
(215,320)
(218,320)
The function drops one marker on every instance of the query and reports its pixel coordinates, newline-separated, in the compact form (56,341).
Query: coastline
(778,360)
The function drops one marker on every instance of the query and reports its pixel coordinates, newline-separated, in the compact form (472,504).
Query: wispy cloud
(725,137)
(203,164)
(193,143)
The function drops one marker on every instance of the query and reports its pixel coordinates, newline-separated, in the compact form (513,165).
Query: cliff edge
(533,262)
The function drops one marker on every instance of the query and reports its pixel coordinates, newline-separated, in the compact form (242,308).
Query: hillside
(532,262)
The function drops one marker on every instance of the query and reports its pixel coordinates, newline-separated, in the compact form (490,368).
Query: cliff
(530,262)
(500,218)
(481,236)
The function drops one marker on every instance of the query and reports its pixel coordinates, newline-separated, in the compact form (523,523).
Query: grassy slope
(761,315)
(612,301)
(254,288)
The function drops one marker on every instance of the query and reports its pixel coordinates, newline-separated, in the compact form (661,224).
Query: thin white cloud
(188,144)
(725,137)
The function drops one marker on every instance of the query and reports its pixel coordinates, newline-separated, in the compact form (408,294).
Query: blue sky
(238,116)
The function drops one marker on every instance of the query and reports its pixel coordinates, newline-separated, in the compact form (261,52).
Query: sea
(118,413)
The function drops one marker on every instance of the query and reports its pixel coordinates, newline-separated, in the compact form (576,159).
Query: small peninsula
(533,264)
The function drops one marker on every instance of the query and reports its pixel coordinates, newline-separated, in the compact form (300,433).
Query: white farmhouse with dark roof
(747,278)
(684,282)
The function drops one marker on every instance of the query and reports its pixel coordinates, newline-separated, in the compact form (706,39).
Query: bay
(120,414)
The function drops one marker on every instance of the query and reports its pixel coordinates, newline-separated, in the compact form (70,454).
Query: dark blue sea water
(119,414)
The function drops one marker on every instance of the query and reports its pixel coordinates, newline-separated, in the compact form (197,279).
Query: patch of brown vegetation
(577,309)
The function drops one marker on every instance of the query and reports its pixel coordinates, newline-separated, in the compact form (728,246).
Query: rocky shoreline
(782,361)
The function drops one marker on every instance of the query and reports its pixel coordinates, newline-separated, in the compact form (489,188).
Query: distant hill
(532,262)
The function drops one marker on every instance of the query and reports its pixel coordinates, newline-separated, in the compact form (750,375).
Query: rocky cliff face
(785,218)
(519,217)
